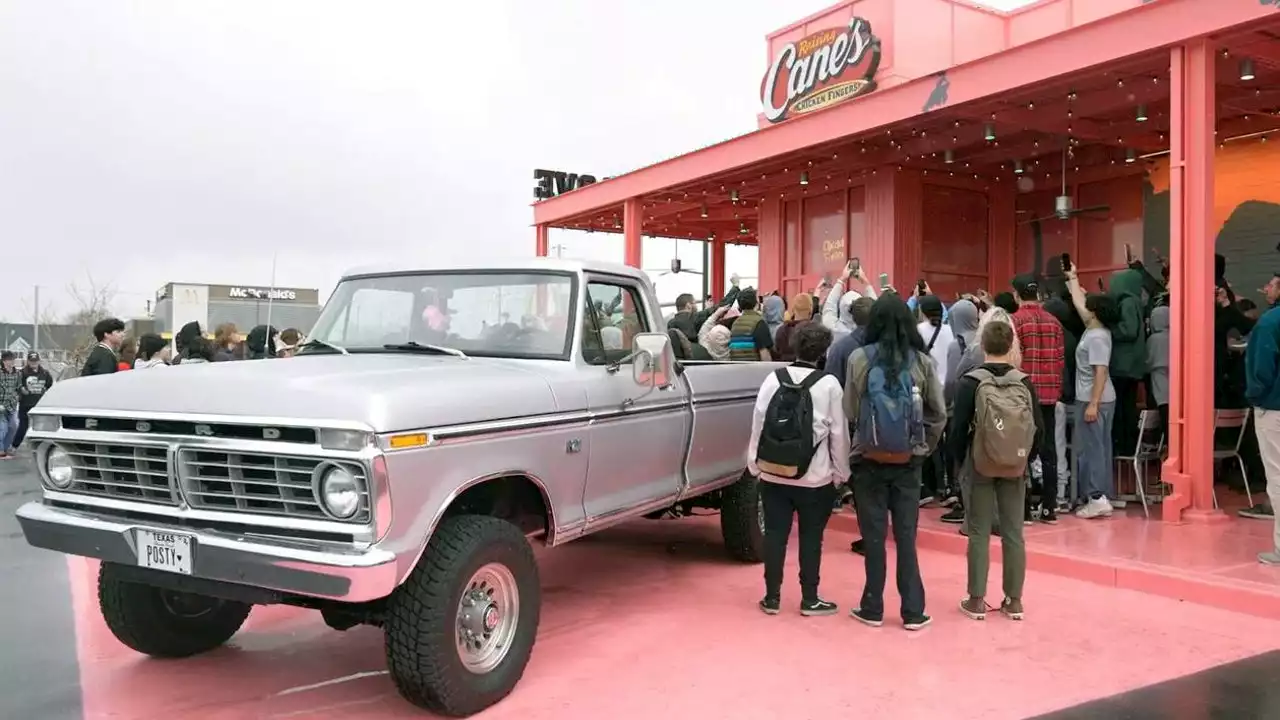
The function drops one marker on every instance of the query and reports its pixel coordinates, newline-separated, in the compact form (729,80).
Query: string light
(1142,113)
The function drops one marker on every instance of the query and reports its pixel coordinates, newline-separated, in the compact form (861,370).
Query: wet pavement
(38,670)
(651,620)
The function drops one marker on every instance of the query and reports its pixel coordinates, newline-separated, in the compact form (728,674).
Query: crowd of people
(1008,409)
(114,352)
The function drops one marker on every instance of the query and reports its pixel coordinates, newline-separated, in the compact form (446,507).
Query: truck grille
(258,483)
(129,472)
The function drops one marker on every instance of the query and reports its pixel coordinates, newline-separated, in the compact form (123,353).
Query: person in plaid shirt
(10,378)
(1043,360)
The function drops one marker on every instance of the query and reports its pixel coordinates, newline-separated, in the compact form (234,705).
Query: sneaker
(1269,558)
(1095,508)
(1064,507)
(815,608)
(1261,511)
(858,547)
(1012,609)
(770,605)
(917,623)
(950,500)
(955,515)
(1048,516)
(866,618)
(974,608)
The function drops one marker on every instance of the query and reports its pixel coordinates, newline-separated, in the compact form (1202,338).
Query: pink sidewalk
(651,621)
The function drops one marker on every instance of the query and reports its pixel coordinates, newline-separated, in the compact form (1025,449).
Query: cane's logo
(810,74)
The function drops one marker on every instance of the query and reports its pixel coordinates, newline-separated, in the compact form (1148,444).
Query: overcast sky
(153,141)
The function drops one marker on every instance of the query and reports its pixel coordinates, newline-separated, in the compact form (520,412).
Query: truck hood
(388,392)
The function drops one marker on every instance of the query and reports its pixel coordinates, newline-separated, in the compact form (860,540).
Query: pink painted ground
(651,621)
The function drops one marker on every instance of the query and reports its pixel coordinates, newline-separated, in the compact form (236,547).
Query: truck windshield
(485,314)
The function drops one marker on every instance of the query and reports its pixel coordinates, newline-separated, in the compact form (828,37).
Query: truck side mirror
(652,360)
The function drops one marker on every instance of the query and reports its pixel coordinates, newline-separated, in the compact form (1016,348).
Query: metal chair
(1238,420)
(1145,452)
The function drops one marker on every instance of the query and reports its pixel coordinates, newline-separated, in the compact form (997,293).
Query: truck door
(638,436)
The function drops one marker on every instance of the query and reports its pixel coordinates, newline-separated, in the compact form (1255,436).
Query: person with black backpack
(996,427)
(799,449)
(893,397)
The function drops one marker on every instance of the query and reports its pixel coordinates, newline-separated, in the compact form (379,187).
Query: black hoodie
(32,385)
(183,338)
(261,342)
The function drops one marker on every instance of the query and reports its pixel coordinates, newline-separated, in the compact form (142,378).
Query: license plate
(166,551)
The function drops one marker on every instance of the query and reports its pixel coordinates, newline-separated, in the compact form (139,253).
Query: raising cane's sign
(820,70)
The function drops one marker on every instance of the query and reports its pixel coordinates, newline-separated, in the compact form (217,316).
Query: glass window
(497,314)
(616,317)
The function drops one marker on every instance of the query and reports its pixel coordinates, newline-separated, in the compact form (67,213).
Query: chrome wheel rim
(488,614)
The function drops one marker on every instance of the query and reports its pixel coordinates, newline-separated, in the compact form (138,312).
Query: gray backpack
(1004,424)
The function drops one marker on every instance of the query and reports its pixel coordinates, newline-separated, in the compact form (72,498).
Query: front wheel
(742,519)
(165,623)
(460,630)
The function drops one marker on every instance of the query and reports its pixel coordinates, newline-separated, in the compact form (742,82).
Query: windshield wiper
(412,346)
(317,342)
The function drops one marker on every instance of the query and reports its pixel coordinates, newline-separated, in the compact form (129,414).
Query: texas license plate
(166,551)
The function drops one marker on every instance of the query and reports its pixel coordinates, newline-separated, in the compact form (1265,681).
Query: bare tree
(71,332)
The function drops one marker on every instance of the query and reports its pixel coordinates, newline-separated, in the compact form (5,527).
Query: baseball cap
(931,305)
(1025,283)
(33,356)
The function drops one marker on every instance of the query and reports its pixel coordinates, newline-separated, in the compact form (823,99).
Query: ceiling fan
(1062,209)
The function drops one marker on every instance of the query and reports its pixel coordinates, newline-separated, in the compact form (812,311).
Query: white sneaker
(1099,507)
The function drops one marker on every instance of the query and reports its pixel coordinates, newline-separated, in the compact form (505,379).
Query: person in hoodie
(837,309)
(261,342)
(689,319)
(153,352)
(199,351)
(1262,390)
(938,339)
(1158,361)
(183,338)
(774,308)
(1072,329)
(963,321)
(810,495)
(1128,355)
(838,356)
(801,313)
(33,382)
(713,336)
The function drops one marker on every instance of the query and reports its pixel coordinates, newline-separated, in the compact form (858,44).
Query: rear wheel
(460,630)
(742,519)
(165,623)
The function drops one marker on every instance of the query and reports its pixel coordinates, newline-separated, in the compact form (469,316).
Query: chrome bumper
(298,568)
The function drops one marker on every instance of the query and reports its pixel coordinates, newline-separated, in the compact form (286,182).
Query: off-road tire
(421,623)
(740,520)
(140,618)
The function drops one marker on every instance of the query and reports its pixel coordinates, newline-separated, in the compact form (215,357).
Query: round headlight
(339,493)
(58,468)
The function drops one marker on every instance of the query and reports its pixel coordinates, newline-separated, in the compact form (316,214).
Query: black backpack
(786,444)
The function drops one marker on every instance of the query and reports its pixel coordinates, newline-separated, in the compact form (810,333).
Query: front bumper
(289,567)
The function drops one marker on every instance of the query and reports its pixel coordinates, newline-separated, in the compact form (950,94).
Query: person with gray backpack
(996,425)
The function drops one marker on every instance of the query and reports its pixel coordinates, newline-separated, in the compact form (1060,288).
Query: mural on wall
(1246,213)
(938,97)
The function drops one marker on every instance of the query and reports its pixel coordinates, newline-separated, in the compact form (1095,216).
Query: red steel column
(717,269)
(631,224)
(1189,467)
(542,248)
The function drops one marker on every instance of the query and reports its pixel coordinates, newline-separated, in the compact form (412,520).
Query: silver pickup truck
(395,472)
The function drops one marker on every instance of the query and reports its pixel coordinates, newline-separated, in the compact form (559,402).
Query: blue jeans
(1091,448)
(8,428)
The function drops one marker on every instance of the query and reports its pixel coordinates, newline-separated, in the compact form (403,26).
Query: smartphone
(1066,262)
(1128,254)
(1101,287)
(920,286)
(884,281)
(855,265)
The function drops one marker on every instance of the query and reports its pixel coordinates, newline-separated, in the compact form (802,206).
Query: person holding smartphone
(1095,404)
(837,310)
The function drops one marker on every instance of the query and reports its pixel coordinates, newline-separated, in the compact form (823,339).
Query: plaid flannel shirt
(1043,350)
(9,389)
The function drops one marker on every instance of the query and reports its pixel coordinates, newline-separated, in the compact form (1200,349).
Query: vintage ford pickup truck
(394,472)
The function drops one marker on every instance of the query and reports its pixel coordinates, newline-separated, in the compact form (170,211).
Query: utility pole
(35,323)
